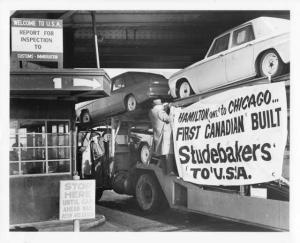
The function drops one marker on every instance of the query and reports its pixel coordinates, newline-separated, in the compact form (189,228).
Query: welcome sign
(37,39)
(237,137)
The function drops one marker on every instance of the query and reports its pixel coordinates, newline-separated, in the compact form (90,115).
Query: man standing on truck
(162,134)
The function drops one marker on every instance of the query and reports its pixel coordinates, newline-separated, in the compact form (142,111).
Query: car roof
(135,73)
(259,19)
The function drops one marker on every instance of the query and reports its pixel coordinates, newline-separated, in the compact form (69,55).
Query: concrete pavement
(59,225)
(123,221)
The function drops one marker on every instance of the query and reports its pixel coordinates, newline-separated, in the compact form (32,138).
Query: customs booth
(43,136)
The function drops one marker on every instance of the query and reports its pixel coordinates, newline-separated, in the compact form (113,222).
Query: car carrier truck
(153,189)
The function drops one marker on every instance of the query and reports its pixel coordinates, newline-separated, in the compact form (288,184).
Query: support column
(242,190)
(95,39)
(113,146)
(76,222)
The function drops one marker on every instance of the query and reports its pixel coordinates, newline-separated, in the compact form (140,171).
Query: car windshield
(220,44)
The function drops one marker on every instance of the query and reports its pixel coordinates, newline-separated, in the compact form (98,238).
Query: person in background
(86,163)
(87,174)
(98,152)
(14,154)
(107,166)
(162,134)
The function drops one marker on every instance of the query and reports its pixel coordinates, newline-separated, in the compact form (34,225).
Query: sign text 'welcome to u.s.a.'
(37,39)
(233,138)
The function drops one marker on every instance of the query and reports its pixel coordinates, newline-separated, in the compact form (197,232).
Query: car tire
(270,64)
(99,193)
(184,90)
(144,153)
(85,117)
(148,193)
(130,103)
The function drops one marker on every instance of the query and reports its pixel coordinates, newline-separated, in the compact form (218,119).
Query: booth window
(39,147)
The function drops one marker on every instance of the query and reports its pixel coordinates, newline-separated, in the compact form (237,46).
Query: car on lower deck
(128,90)
(259,47)
(140,144)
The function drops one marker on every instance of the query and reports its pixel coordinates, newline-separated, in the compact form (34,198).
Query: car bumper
(158,92)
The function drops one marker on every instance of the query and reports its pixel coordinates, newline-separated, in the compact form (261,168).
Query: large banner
(236,137)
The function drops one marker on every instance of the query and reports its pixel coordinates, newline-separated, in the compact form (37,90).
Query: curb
(58,225)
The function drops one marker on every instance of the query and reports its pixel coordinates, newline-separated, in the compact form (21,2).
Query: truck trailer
(155,190)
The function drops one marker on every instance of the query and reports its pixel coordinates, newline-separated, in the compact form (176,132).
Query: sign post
(77,200)
(76,222)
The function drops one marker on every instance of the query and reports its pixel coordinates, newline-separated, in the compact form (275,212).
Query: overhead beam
(177,16)
(148,62)
(67,15)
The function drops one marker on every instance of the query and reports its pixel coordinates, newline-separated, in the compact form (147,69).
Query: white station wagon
(259,47)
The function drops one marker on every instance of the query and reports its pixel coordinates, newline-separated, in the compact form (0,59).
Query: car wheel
(144,153)
(85,117)
(270,64)
(130,103)
(184,90)
(148,193)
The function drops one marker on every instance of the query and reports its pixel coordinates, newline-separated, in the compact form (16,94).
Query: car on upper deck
(259,47)
(127,91)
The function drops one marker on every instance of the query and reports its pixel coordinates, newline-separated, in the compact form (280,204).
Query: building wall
(34,199)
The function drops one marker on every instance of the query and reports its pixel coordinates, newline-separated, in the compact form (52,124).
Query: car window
(220,44)
(117,84)
(242,35)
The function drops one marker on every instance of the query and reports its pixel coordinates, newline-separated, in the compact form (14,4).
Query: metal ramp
(262,80)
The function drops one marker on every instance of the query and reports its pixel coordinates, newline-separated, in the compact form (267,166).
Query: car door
(211,71)
(114,103)
(240,59)
(138,84)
